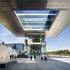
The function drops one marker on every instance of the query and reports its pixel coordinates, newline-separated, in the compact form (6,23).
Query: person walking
(34,56)
(31,57)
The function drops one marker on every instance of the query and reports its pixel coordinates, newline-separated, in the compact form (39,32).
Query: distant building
(19,47)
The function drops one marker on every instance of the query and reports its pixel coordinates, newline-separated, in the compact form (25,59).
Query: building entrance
(35,49)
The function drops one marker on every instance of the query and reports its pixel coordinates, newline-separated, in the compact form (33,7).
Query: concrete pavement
(27,64)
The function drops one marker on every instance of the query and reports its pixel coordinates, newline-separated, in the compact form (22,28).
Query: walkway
(27,64)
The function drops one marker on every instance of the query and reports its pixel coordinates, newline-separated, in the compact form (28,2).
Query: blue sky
(8,37)
(62,41)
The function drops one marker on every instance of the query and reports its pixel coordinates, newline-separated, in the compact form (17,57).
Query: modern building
(19,47)
(35,20)
(35,23)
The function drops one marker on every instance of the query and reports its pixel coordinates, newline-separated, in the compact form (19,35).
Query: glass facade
(36,19)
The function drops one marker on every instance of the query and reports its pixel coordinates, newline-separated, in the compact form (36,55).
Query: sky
(62,41)
(8,37)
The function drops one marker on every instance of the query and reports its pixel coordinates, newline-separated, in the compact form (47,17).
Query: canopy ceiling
(36,19)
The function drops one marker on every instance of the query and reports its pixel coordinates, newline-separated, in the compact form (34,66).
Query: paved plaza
(27,64)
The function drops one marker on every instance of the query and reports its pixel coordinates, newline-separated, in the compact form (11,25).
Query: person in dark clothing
(31,57)
(41,58)
(45,58)
(35,57)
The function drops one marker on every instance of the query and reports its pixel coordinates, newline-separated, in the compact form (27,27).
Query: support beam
(10,21)
(61,22)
